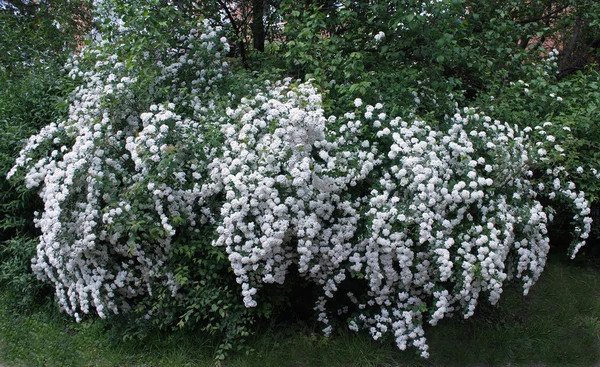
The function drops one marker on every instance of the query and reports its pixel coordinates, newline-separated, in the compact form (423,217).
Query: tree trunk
(258,24)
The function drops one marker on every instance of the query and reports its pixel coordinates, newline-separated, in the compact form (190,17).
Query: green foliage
(35,34)
(427,56)
(27,102)
(37,38)
(572,105)
(209,300)
(17,281)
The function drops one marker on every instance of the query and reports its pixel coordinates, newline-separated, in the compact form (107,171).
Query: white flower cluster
(429,219)
(283,180)
(450,216)
(558,184)
(551,61)
(379,36)
(117,181)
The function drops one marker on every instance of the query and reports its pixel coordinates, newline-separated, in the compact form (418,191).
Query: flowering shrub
(452,217)
(114,183)
(563,115)
(447,215)
(156,149)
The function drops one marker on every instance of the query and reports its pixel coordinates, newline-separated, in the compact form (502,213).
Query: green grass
(557,324)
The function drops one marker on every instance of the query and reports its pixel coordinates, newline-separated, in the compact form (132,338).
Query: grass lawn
(557,324)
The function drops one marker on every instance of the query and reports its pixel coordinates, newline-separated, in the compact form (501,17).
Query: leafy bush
(117,237)
(565,111)
(26,104)
(178,188)
(37,39)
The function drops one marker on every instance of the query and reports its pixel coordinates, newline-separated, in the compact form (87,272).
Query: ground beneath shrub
(556,325)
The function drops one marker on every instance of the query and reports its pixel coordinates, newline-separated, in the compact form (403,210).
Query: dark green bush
(33,93)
